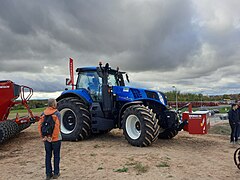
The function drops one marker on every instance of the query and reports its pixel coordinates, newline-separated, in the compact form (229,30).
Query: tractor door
(92,82)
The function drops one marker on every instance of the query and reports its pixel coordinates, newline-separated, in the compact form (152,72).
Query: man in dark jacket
(234,121)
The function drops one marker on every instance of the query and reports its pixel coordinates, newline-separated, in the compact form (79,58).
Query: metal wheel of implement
(8,129)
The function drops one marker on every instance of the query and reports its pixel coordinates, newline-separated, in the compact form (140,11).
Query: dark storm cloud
(39,82)
(163,41)
(19,65)
(154,34)
(43,85)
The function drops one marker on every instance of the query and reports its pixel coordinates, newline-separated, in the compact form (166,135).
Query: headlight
(161,98)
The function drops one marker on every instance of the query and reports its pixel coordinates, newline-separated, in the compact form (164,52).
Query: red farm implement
(9,93)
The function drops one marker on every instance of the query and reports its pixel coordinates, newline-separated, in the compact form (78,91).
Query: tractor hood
(125,93)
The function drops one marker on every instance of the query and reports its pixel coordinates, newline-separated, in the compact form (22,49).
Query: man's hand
(49,139)
(44,139)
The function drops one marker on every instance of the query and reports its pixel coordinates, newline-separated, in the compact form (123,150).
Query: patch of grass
(36,110)
(163,164)
(166,158)
(120,170)
(224,109)
(100,168)
(96,146)
(131,163)
(131,159)
(23,112)
(141,168)
(225,151)
(223,129)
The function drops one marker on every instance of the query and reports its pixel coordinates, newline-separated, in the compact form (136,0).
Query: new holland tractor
(100,102)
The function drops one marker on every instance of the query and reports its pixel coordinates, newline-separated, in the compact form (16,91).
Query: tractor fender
(72,94)
(124,107)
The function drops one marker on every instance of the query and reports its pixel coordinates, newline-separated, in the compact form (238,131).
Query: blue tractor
(101,102)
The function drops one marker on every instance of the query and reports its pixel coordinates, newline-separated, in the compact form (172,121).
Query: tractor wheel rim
(68,121)
(133,127)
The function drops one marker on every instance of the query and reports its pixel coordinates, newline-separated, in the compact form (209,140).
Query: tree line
(171,96)
(33,104)
(189,97)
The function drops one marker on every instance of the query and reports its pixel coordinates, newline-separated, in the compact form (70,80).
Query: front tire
(169,125)
(140,125)
(75,119)
(168,133)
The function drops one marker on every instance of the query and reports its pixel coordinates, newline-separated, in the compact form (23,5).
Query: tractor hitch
(182,125)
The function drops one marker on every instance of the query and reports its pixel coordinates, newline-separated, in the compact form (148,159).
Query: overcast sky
(191,44)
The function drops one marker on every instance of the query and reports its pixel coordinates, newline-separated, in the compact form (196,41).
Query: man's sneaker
(55,176)
(48,177)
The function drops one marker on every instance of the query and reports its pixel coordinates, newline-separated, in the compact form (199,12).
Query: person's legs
(48,157)
(232,132)
(56,151)
(236,132)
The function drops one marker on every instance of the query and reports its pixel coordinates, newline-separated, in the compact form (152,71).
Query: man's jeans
(55,148)
(234,132)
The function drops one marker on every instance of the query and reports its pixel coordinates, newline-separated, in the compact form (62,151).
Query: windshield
(88,79)
(112,80)
(93,83)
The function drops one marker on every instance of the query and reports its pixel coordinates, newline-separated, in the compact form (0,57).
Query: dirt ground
(110,157)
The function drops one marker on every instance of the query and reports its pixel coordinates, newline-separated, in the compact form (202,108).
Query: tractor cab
(90,79)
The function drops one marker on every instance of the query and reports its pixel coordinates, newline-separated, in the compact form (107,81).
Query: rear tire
(140,125)
(75,119)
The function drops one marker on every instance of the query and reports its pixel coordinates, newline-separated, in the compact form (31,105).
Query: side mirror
(68,81)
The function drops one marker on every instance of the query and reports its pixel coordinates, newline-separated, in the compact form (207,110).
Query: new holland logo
(125,89)
(195,116)
(4,87)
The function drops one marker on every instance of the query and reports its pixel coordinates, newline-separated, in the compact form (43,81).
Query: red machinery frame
(9,93)
(31,118)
